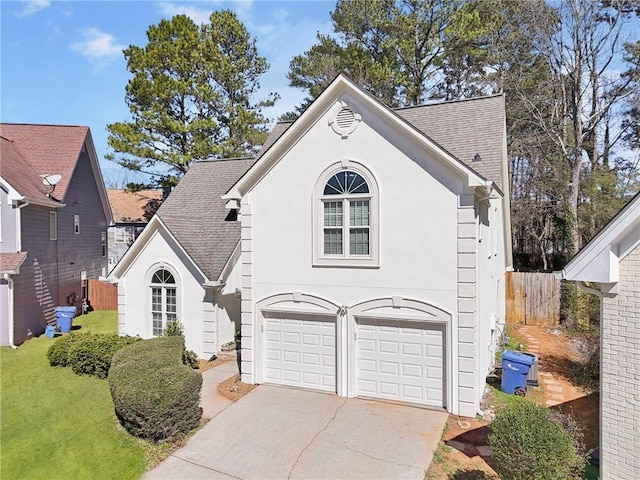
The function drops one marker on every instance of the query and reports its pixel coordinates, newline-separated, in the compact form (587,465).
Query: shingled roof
(464,128)
(48,148)
(130,207)
(195,213)
(20,174)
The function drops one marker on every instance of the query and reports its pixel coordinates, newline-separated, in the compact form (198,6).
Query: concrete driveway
(277,433)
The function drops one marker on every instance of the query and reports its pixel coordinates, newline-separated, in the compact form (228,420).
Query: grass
(55,424)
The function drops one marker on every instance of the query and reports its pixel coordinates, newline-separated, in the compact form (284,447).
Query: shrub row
(87,353)
(155,395)
(530,441)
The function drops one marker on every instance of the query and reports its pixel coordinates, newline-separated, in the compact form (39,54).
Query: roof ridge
(43,125)
(443,102)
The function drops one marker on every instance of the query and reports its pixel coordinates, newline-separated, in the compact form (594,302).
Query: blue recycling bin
(64,318)
(515,369)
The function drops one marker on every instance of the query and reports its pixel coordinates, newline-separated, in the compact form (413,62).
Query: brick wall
(620,376)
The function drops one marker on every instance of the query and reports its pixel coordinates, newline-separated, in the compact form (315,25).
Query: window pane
(359,241)
(163,276)
(171,300)
(332,214)
(157,324)
(359,213)
(346,182)
(333,241)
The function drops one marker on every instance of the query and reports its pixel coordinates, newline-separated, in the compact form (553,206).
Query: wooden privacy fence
(103,296)
(532,298)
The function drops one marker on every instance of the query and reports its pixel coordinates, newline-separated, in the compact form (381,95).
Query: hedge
(155,395)
(529,441)
(87,353)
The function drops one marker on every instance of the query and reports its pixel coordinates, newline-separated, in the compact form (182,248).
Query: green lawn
(55,424)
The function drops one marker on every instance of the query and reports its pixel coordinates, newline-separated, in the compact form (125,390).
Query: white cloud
(32,6)
(198,15)
(98,44)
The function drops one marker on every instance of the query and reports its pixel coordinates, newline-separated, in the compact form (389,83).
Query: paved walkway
(211,401)
(549,383)
(278,432)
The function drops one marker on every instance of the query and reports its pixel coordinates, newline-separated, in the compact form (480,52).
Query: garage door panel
(400,360)
(306,347)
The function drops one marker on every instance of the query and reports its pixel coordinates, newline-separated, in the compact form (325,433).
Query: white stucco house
(612,260)
(362,252)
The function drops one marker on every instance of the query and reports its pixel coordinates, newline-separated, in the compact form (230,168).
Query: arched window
(164,305)
(346,225)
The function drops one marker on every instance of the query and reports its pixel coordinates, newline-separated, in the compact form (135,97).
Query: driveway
(277,433)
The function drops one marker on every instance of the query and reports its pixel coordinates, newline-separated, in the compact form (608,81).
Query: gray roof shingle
(464,128)
(195,213)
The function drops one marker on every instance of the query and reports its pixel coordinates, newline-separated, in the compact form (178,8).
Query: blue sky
(62,62)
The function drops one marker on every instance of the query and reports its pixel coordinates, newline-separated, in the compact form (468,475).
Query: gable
(56,149)
(342,88)
(599,259)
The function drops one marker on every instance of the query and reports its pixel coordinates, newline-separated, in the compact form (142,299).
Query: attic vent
(477,158)
(346,119)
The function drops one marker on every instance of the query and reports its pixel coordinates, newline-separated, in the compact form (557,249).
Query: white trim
(598,261)
(338,88)
(148,300)
(305,305)
(129,258)
(317,215)
(409,310)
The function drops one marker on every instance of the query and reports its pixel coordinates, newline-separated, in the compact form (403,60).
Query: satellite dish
(51,179)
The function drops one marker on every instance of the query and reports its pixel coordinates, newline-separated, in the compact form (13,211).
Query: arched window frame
(163,298)
(346,258)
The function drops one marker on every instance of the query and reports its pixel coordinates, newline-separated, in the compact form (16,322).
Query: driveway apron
(277,433)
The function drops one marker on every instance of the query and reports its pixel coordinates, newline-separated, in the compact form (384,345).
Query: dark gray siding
(36,288)
(52,271)
(81,252)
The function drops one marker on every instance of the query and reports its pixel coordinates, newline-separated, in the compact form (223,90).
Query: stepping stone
(456,445)
(545,374)
(552,403)
(554,388)
(485,451)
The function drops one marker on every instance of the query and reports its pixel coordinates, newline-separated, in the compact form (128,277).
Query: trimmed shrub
(176,329)
(92,354)
(155,395)
(58,353)
(528,441)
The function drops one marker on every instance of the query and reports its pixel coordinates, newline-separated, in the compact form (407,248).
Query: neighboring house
(131,211)
(53,223)
(362,252)
(612,260)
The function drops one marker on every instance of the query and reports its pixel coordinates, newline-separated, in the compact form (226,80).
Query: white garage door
(300,351)
(400,360)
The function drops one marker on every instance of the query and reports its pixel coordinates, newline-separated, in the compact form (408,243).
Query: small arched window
(164,300)
(346,230)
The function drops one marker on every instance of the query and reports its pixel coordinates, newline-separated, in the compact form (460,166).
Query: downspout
(9,280)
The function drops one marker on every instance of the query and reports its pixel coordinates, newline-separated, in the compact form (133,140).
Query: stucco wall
(620,375)
(205,325)
(422,244)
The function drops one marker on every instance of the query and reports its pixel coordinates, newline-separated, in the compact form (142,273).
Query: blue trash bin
(515,369)
(64,318)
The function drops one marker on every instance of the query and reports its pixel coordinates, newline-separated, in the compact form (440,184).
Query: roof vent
(477,158)
(346,120)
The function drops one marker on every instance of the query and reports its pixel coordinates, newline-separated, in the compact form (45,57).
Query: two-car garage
(388,358)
